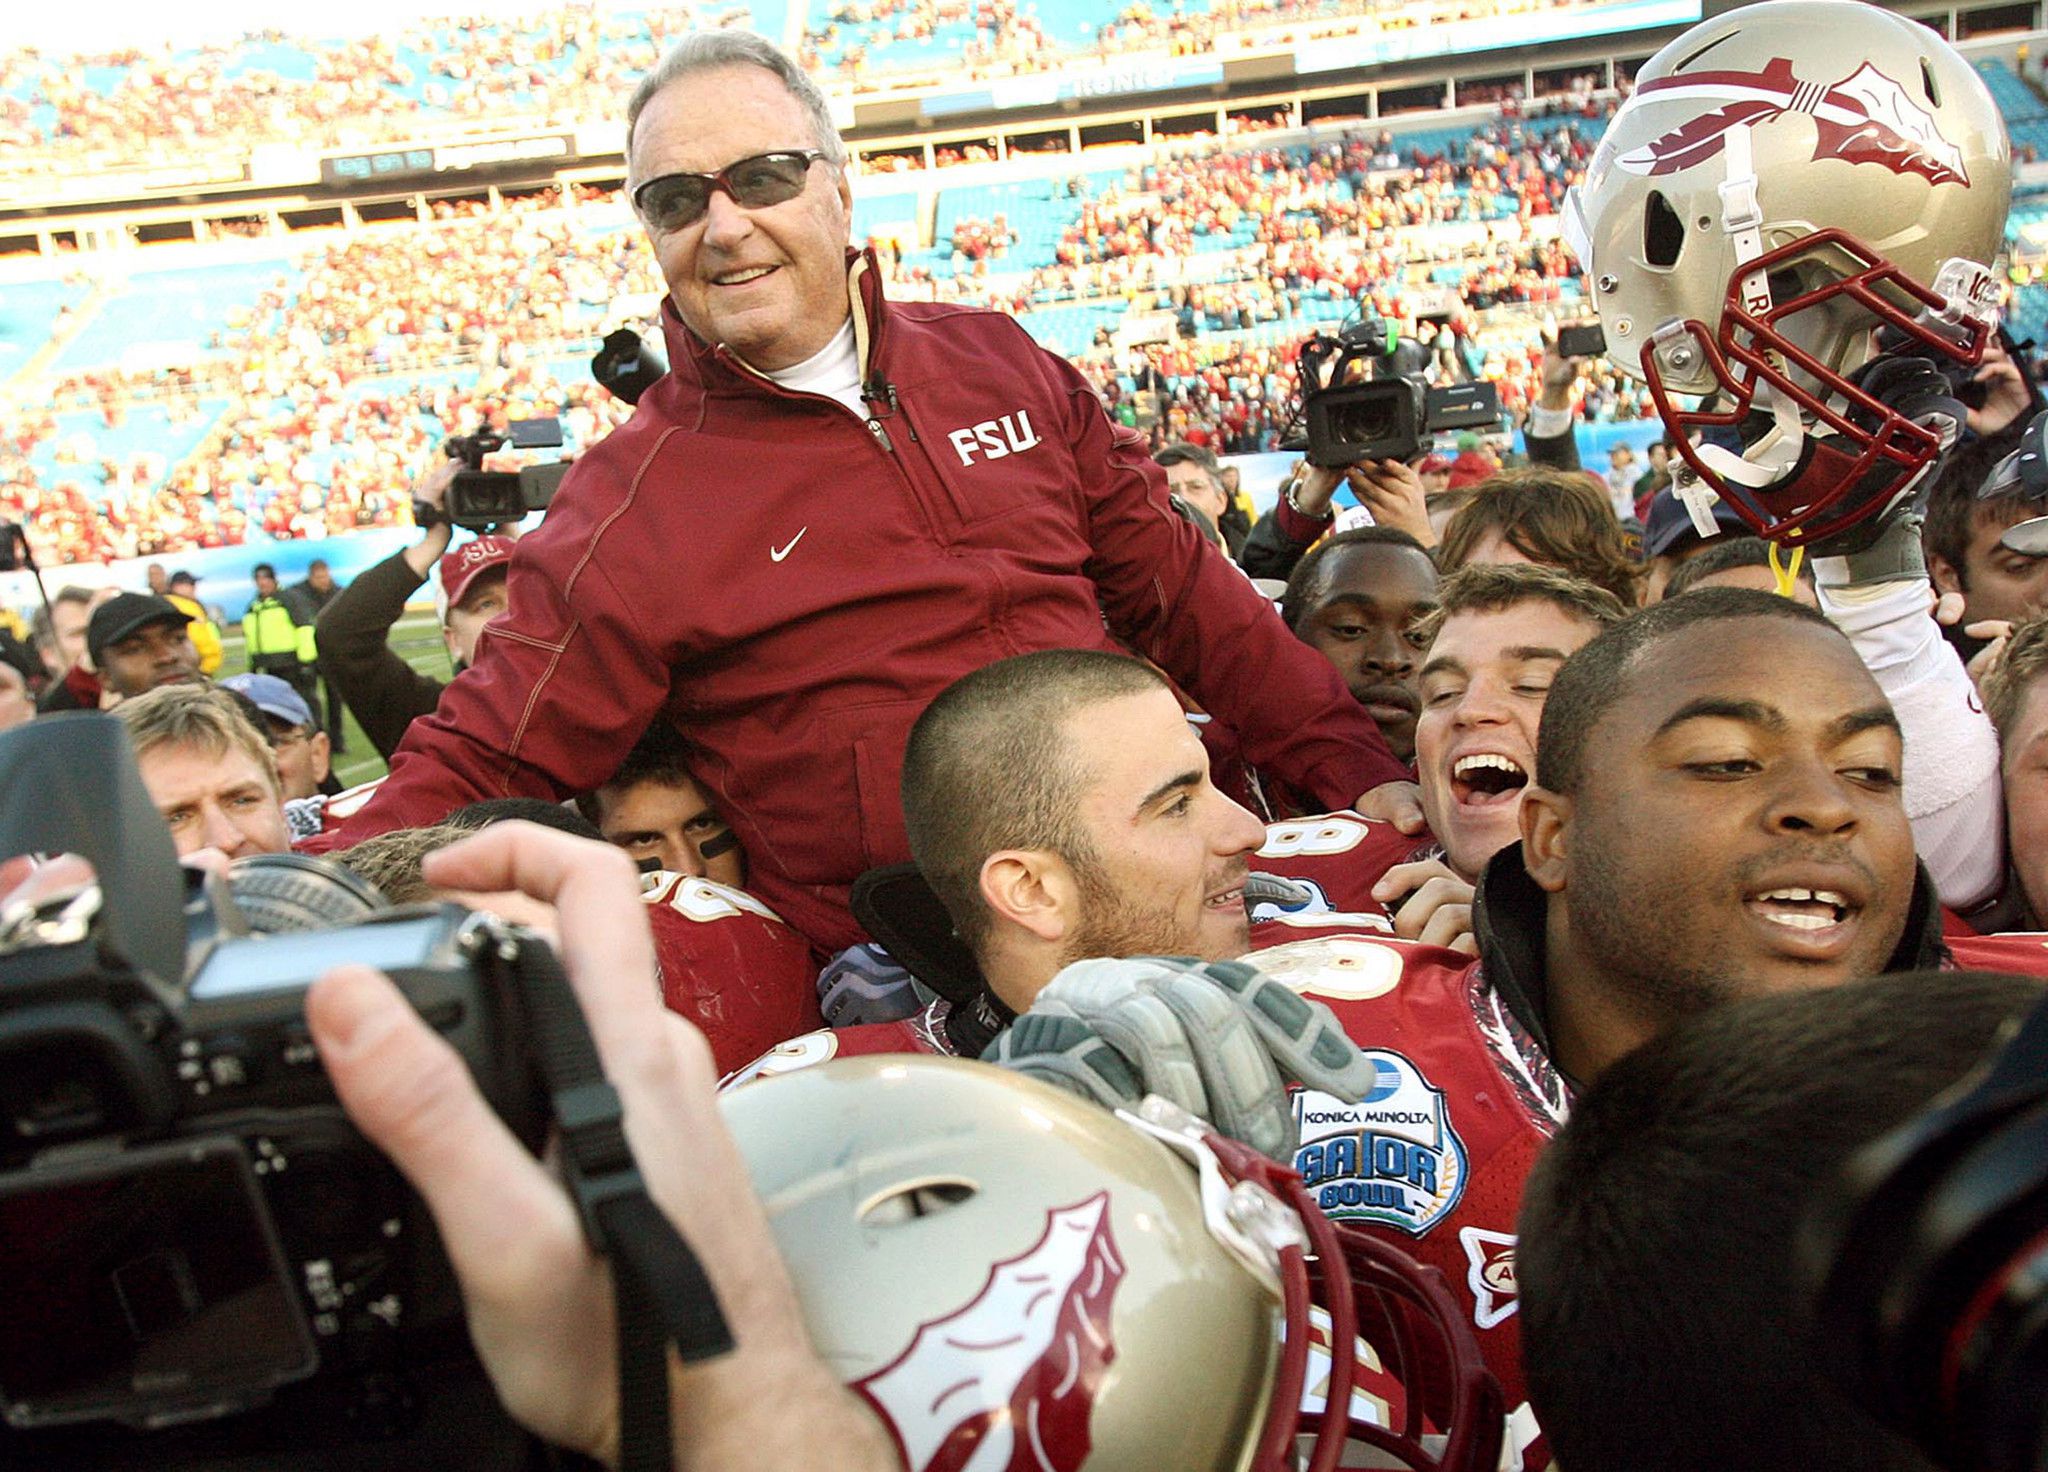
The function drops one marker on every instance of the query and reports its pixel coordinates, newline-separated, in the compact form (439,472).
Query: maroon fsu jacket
(792,585)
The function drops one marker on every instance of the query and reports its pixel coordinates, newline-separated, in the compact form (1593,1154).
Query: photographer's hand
(1389,489)
(2006,396)
(1315,487)
(539,1302)
(433,491)
(1557,375)
(1392,491)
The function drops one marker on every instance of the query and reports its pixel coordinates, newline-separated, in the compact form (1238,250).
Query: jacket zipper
(885,389)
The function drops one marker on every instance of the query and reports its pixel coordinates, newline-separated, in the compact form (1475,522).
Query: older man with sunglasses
(828,510)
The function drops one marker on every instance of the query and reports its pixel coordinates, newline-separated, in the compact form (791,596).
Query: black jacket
(354,633)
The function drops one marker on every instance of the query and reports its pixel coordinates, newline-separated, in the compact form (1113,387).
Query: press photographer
(208,1261)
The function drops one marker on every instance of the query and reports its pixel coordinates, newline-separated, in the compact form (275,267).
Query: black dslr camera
(1924,1267)
(189,1225)
(480,499)
(1365,396)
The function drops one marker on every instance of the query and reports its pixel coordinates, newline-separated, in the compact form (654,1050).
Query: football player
(1789,231)
(1716,813)
(1491,648)
(1002,1275)
(725,961)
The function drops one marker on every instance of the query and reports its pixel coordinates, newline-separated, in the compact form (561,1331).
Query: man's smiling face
(769,283)
(1484,680)
(1168,853)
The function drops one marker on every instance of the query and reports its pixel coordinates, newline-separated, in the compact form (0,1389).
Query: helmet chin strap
(1774,456)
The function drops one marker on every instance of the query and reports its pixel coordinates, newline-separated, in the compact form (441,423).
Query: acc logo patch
(1392,1158)
(1490,1275)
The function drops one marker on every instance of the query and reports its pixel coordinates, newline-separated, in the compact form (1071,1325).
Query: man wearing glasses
(304,755)
(828,510)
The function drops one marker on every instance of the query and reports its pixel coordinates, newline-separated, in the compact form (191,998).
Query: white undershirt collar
(834,371)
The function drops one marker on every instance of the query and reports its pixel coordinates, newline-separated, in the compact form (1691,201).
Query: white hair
(705,51)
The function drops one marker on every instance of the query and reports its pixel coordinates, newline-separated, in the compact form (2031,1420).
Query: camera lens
(1361,423)
(281,892)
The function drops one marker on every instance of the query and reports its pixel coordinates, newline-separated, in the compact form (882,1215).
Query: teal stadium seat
(170,311)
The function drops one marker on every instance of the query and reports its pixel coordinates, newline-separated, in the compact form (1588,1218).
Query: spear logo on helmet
(1865,118)
(1006,1382)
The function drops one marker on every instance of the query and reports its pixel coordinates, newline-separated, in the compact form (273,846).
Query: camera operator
(354,629)
(1390,489)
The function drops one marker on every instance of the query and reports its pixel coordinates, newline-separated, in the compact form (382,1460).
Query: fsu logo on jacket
(1863,118)
(1006,1382)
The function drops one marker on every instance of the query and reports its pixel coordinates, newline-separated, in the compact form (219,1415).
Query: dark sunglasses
(677,201)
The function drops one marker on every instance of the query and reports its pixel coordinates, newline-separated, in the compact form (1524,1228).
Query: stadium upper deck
(222,114)
(291,383)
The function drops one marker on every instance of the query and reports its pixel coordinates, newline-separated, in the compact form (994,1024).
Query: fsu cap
(461,567)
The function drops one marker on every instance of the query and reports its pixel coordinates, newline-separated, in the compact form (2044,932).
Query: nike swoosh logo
(776,554)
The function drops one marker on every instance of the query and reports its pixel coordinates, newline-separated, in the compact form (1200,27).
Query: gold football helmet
(1785,178)
(1014,1278)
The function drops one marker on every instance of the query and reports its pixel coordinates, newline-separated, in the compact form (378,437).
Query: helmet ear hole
(908,1201)
(1663,232)
(1927,83)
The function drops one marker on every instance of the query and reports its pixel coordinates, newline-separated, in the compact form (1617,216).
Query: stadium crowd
(306,439)
(553,66)
(858,39)
(556,66)
(1057,933)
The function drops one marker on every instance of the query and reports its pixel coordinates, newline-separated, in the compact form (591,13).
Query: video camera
(480,499)
(1365,395)
(191,1224)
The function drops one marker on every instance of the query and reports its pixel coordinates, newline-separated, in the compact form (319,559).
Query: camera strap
(661,1293)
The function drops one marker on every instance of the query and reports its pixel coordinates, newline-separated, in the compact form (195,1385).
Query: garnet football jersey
(1338,858)
(2023,951)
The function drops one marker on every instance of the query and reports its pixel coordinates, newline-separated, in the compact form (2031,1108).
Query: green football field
(417,637)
